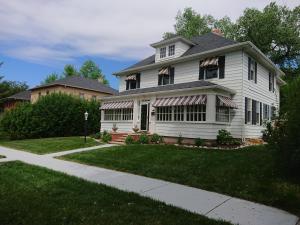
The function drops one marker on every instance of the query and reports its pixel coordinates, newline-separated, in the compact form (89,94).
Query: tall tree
(50,78)
(70,70)
(90,69)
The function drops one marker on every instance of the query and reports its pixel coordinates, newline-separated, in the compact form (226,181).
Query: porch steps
(119,140)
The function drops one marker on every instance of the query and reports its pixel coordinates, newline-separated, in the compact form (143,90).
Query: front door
(144,117)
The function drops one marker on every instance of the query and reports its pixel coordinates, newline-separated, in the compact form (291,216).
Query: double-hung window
(212,68)
(163,52)
(166,76)
(252,70)
(133,81)
(271,82)
(171,50)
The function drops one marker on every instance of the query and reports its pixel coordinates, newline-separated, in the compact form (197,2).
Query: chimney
(217,31)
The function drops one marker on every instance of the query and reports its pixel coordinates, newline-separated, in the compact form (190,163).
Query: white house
(194,88)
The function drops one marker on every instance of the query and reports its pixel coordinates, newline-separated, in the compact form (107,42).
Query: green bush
(224,137)
(143,139)
(199,142)
(129,140)
(96,135)
(267,133)
(155,138)
(286,134)
(53,115)
(106,137)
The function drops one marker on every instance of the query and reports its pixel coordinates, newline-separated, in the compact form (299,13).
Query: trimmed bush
(143,139)
(155,138)
(129,140)
(199,142)
(224,137)
(106,137)
(54,115)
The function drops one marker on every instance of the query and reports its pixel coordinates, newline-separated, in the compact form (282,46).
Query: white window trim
(161,56)
(169,47)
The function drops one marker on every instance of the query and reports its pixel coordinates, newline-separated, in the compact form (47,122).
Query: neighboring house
(11,101)
(84,88)
(196,87)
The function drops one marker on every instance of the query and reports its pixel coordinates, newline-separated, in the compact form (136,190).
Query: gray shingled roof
(80,82)
(24,95)
(193,84)
(203,43)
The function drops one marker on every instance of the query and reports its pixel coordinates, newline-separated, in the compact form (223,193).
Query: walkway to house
(210,204)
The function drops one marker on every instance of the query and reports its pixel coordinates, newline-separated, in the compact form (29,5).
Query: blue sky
(38,37)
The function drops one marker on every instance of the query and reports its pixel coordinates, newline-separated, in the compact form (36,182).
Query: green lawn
(49,145)
(249,173)
(36,196)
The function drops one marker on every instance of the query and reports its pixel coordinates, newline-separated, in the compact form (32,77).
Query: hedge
(54,115)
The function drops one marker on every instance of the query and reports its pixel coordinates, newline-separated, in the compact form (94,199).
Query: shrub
(51,116)
(224,137)
(129,140)
(179,139)
(199,142)
(106,137)
(96,135)
(155,138)
(267,133)
(143,139)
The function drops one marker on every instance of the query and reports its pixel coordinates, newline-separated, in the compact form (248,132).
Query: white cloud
(59,30)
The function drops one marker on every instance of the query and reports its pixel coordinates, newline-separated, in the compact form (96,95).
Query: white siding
(124,126)
(258,91)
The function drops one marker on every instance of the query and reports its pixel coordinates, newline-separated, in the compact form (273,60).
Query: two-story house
(196,87)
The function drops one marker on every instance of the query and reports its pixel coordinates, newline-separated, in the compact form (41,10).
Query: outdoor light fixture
(86,115)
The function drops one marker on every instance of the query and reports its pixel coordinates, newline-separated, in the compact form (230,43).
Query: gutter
(217,87)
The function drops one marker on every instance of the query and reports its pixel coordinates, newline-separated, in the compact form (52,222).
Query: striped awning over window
(226,101)
(210,62)
(131,77)
(117,105)
(164,70)
(182,100)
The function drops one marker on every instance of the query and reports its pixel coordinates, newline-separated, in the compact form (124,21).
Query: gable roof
(23,95)
(202,43)
(81,83)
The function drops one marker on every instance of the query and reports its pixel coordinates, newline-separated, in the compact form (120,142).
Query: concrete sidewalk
(210,204)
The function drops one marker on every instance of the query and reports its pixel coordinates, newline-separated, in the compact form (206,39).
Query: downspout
(243,99)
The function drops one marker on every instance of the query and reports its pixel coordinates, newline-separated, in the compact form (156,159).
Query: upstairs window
(252,70)
(166,76)
(271,82)
(163,52)
(171,50)
(212,68)
(133,81)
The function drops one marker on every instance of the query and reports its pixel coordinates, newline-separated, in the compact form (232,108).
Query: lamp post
(86,115)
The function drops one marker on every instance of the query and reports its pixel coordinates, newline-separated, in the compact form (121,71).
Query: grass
(49,145)
(37,196)
(249,173)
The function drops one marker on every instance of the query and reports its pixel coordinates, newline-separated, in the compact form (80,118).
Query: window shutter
(255,73)
(273,83)
(172,73)
(201,72)
(270,85)
(246,110)
(260,113)
(249,68)
(221,67)
(159,80)
(127,85)
(253,112)
(138,80)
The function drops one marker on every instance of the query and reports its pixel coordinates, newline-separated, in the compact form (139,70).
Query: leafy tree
(50,78)
(70,70)
(90,69)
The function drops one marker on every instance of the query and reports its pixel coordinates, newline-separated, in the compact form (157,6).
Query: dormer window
(171,50)
(133,81)
(163,52)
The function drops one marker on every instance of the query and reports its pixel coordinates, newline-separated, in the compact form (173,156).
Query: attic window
(163,52)
(171,50)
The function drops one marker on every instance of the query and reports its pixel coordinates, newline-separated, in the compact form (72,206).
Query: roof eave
(171,40)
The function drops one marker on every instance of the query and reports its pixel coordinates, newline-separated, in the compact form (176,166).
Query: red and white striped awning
(164,70)
(182,100)
(131,77)
(210,62)
(226,101)
(117,105)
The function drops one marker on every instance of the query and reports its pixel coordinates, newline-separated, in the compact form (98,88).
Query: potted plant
(135,128)
(114,127)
